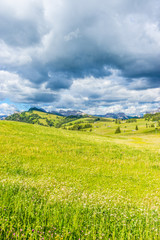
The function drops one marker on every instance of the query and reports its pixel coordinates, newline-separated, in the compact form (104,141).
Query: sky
(94,56)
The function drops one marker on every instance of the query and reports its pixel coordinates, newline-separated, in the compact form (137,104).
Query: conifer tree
(118,130)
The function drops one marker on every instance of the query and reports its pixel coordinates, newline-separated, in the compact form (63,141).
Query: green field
(61,184)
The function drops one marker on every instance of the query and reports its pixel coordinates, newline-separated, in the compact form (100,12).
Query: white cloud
(19,90)
(108,94)
(7,109)
(13,56)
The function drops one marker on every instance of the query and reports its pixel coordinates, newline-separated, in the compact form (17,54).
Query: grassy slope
(61,184)
(104,126)
(147,138)
(45,116)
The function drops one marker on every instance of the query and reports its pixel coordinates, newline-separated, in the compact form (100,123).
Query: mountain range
(71,113)
(2,117)
(67,113)
(119,115)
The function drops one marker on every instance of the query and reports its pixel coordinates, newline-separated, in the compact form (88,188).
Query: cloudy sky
(95,56)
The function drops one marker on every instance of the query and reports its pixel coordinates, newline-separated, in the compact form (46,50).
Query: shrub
(118,130)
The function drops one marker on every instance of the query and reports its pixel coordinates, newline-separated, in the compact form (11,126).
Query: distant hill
(36,116)
(152,116)
(72,120)
(41,117)
(36,109)
(88,123)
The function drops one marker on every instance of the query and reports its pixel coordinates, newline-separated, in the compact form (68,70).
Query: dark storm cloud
(53,43)
(42,98)
(21,25)
(59,80)
(81,39)
(19,33)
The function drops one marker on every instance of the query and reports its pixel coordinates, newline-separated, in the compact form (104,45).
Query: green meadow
(57,183)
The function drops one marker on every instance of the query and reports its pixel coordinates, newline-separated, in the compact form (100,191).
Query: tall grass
(59,184)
